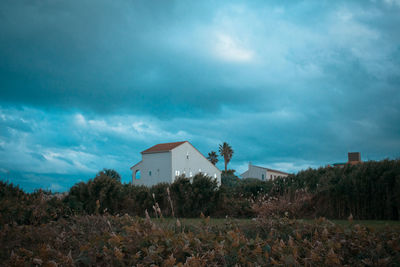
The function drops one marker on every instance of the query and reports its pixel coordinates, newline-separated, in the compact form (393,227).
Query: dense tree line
(105,194)
(370,190)
(18,207)
(188,198)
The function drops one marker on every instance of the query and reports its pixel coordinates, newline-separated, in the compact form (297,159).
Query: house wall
(189,161)
(273,175)
(255,172)
(159,164)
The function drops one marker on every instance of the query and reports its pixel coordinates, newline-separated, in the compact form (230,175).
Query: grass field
(372,224)
(195,222)
(95,240)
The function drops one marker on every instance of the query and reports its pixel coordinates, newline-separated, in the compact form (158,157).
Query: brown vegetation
(127,241)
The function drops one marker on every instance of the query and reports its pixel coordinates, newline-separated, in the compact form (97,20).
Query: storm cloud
(89,84)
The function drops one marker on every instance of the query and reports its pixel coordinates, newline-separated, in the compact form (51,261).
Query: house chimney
(354,157)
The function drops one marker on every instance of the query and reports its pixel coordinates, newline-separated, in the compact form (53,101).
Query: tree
(111,173)
(213,157)
(101,194)
(229,179)
(226,151)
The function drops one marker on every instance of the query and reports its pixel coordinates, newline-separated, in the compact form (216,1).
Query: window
(190,174)
(149,173)
(187,155)
(215,175)
(177,173)
(262,177)
(137,175)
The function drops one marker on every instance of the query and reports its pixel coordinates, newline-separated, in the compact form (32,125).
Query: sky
(87,85)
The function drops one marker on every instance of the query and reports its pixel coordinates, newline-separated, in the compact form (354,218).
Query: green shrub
(370,190)
(102,194)
(18,207)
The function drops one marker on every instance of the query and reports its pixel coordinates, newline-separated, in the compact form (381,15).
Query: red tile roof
(162,147)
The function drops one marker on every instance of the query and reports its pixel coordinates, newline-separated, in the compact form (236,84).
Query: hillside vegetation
(103,222)
(370,190)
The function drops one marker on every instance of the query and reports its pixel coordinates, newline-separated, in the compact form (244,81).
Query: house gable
(263,173)
(163,162)
(187,160)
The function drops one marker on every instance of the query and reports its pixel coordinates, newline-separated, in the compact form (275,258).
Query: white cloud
(4,170)
(60,160)
(230,49)
(80,119)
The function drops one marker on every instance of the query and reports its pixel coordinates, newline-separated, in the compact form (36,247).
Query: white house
(164,162)
(262,173)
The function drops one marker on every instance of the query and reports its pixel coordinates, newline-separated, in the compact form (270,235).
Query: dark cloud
(102,57)
(87,85)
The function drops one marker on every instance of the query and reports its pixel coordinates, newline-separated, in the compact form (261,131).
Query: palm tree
(213,157)
(226,151)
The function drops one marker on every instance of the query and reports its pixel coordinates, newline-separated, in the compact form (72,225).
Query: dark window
(149,173)
(262,177)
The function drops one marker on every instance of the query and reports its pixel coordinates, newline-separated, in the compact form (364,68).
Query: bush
(298,206)
(252,187)
(102,194)
(229,179)
(191,199)
(105,194)
(18,207)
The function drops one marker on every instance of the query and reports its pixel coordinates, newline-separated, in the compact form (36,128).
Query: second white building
(164,162)
(262,173)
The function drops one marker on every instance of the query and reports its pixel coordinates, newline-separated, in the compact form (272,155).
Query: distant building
(262,173)
(353,158)
(165,162)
